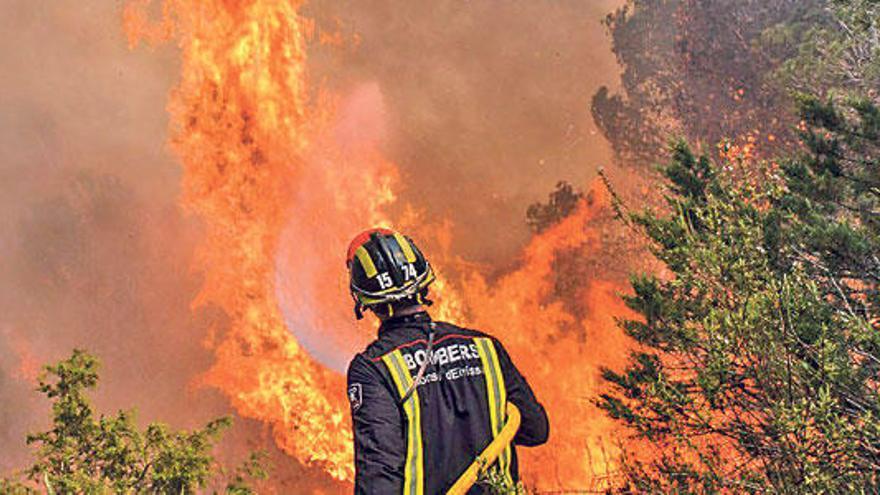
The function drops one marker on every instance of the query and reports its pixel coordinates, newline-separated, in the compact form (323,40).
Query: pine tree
(759,349)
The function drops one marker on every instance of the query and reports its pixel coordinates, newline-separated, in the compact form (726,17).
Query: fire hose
(489,454)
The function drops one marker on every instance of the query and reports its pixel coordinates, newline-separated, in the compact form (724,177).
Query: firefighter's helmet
(386,269)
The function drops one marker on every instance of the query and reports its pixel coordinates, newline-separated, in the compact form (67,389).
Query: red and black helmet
(385,267)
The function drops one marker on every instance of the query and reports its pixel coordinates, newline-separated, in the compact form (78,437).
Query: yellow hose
(489,454)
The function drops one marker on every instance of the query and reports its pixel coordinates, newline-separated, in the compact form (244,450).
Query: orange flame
(240,126)
(559,352)
(282,184)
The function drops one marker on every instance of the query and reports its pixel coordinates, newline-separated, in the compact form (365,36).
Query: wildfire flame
(282,179)
(559,352)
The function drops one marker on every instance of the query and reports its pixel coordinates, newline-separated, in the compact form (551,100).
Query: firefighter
(426,396)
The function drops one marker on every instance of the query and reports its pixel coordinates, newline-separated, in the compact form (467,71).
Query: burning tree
(560,204)
(760,353)
(701,70)
(84,452)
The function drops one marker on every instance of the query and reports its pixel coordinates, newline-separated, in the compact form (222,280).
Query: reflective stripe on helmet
(366,262)
(496,394)
(363,237)
(405,247)
(414,472)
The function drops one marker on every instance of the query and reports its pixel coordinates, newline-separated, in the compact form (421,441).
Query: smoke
(94,251)
(483,107)
(488,102)
(86,209)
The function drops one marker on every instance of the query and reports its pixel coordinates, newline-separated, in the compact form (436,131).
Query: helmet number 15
(385,280)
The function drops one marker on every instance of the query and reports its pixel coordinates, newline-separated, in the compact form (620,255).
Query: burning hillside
(281,180)
(208,278)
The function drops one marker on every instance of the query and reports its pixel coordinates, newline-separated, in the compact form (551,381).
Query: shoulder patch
(355,396)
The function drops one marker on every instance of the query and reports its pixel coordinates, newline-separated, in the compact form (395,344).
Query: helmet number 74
(409,271)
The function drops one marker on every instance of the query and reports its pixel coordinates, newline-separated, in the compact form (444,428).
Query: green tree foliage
(700,70)
(758,368)
(84,452)
(840,55)
(493,482)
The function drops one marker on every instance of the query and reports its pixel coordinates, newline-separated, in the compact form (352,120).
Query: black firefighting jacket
(422,445)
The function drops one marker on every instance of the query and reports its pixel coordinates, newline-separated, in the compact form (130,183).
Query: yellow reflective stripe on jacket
(414,472)
(496,394)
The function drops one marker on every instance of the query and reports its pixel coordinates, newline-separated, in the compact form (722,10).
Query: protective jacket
(421,445)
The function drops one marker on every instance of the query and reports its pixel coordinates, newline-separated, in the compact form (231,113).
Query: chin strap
(428,358)
(421,298)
